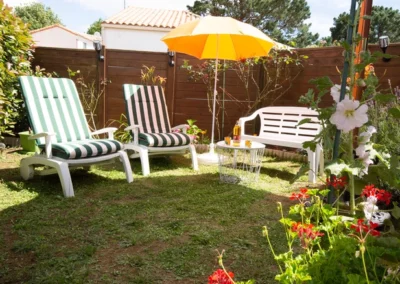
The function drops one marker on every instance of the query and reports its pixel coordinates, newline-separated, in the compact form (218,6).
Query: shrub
(15,53)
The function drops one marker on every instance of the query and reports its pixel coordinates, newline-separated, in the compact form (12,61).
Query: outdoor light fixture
(383,44)
(171,61)
(97,45)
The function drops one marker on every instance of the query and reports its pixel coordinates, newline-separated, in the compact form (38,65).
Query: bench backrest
(282,121)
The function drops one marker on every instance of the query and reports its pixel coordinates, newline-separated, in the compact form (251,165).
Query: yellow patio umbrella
(218,38)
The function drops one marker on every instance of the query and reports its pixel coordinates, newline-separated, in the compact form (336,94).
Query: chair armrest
(109,130)
(47,138)
(184,127)
(242,120)
(40,135)
(135,130)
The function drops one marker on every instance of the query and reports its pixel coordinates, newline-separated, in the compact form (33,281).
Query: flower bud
(264,231)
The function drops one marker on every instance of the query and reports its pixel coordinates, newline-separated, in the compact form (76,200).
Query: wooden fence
(188,99)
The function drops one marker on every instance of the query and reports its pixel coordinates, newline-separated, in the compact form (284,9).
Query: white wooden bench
(278,126)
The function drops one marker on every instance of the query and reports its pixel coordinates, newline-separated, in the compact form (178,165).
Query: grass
(164,228)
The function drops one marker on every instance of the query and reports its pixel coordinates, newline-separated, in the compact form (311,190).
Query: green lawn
(164,228)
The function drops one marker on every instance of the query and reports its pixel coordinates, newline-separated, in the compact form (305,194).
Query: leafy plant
(89,94)
(349,116)
(332,248)
(148,76)
(122,135)
(199,134)
(15,53)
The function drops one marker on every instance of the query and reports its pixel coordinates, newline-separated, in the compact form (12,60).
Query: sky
(78,15)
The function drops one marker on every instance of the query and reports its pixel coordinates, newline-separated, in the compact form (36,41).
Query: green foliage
(95,27)
(15,53)
(37,15)
(199,134)
(384,113)
(329,249)
(122,135)
(280,19)
(384,21)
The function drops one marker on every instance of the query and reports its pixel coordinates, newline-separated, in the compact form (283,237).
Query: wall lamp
(383,44)
(98,46)
(171,61)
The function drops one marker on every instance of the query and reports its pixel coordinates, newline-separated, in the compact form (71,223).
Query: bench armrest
(242,121)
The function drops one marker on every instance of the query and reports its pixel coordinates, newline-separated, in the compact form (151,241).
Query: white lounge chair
(62,133)
(150,127)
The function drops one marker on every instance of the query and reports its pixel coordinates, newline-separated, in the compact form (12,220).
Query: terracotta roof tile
(149,17)
(86,36)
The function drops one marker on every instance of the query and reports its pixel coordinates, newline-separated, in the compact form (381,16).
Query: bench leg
(312,161)
(319,160)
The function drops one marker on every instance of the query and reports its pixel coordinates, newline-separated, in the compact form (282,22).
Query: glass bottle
(236,131)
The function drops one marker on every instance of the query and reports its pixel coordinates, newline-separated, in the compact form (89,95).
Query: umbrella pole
(214,102)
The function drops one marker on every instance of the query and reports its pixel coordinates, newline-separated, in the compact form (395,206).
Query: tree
(384,21)
(280,19)
(340,25)
(15,53)
(304,37)
(95,27)
(37,15)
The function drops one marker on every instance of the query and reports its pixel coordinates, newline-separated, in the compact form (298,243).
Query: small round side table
(239,163)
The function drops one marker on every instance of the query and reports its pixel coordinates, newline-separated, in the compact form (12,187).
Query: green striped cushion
(146,107)
(85,149)
(53,106)
(164,139)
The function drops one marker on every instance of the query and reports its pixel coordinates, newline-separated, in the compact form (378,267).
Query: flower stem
(265,233)
(351,177)
(362,249)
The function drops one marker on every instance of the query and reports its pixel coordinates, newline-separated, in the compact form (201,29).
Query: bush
(15,53)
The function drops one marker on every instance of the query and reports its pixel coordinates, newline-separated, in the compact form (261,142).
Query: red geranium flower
(380,194)
(300,196)
(305,232)
(220,277)
(337,183)
(361,227)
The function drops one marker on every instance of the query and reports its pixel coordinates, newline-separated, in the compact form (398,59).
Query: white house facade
(60,36)
(141,29)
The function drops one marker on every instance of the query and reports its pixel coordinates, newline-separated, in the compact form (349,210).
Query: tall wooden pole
(363,30)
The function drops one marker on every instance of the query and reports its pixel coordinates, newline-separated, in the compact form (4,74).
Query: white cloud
(14,3)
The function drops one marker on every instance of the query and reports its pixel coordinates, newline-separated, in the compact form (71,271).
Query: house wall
(57,37)
(124,38)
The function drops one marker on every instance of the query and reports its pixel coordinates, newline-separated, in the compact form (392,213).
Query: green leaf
(338,168)
(322,83)
(396,212)
(385,98)
(355,279)
(395,112)
(302,171)
(304,121)
(310,144)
